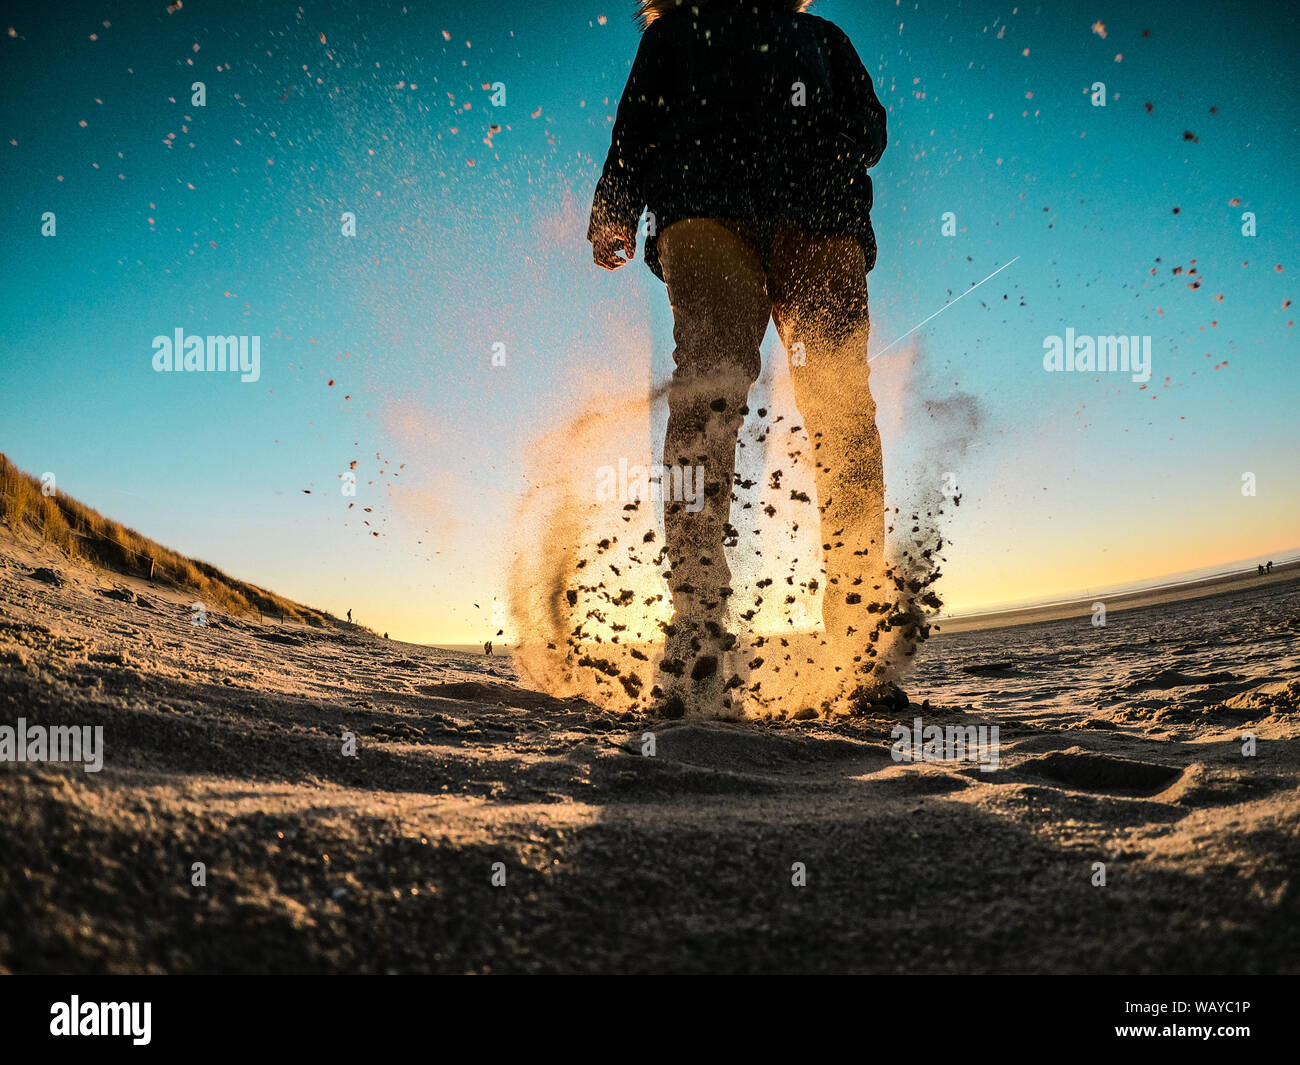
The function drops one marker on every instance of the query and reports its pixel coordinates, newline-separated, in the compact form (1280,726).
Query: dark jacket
(709,125)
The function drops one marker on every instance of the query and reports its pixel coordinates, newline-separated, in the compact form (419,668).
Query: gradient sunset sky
(225,219)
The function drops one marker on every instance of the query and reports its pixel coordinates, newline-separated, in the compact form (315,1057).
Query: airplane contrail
(940,311)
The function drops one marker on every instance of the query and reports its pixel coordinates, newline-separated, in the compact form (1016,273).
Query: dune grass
(83,533)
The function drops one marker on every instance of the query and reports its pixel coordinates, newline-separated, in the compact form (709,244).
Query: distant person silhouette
(349,615)
(747,128)
(487,648)
(1260,569)
(1269,567)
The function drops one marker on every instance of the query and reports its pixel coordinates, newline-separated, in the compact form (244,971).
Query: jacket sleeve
(860,111)
(619,194)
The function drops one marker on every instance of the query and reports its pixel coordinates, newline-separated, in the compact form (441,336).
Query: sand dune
(223,745)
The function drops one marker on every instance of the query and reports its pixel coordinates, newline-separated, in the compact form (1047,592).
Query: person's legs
(818,287)
(720,313)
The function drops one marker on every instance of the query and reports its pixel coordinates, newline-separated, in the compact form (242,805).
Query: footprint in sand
(1077,768)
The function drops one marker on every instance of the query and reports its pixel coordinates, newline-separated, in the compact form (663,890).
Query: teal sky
(226,219)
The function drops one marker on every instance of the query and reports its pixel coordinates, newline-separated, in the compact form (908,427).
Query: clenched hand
(607,241)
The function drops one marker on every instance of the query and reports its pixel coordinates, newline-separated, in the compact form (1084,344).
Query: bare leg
(720,313)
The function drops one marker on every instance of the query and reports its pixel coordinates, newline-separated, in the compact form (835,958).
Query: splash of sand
(589,598)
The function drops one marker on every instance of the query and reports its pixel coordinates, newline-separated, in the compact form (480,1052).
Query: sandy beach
(223,744)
